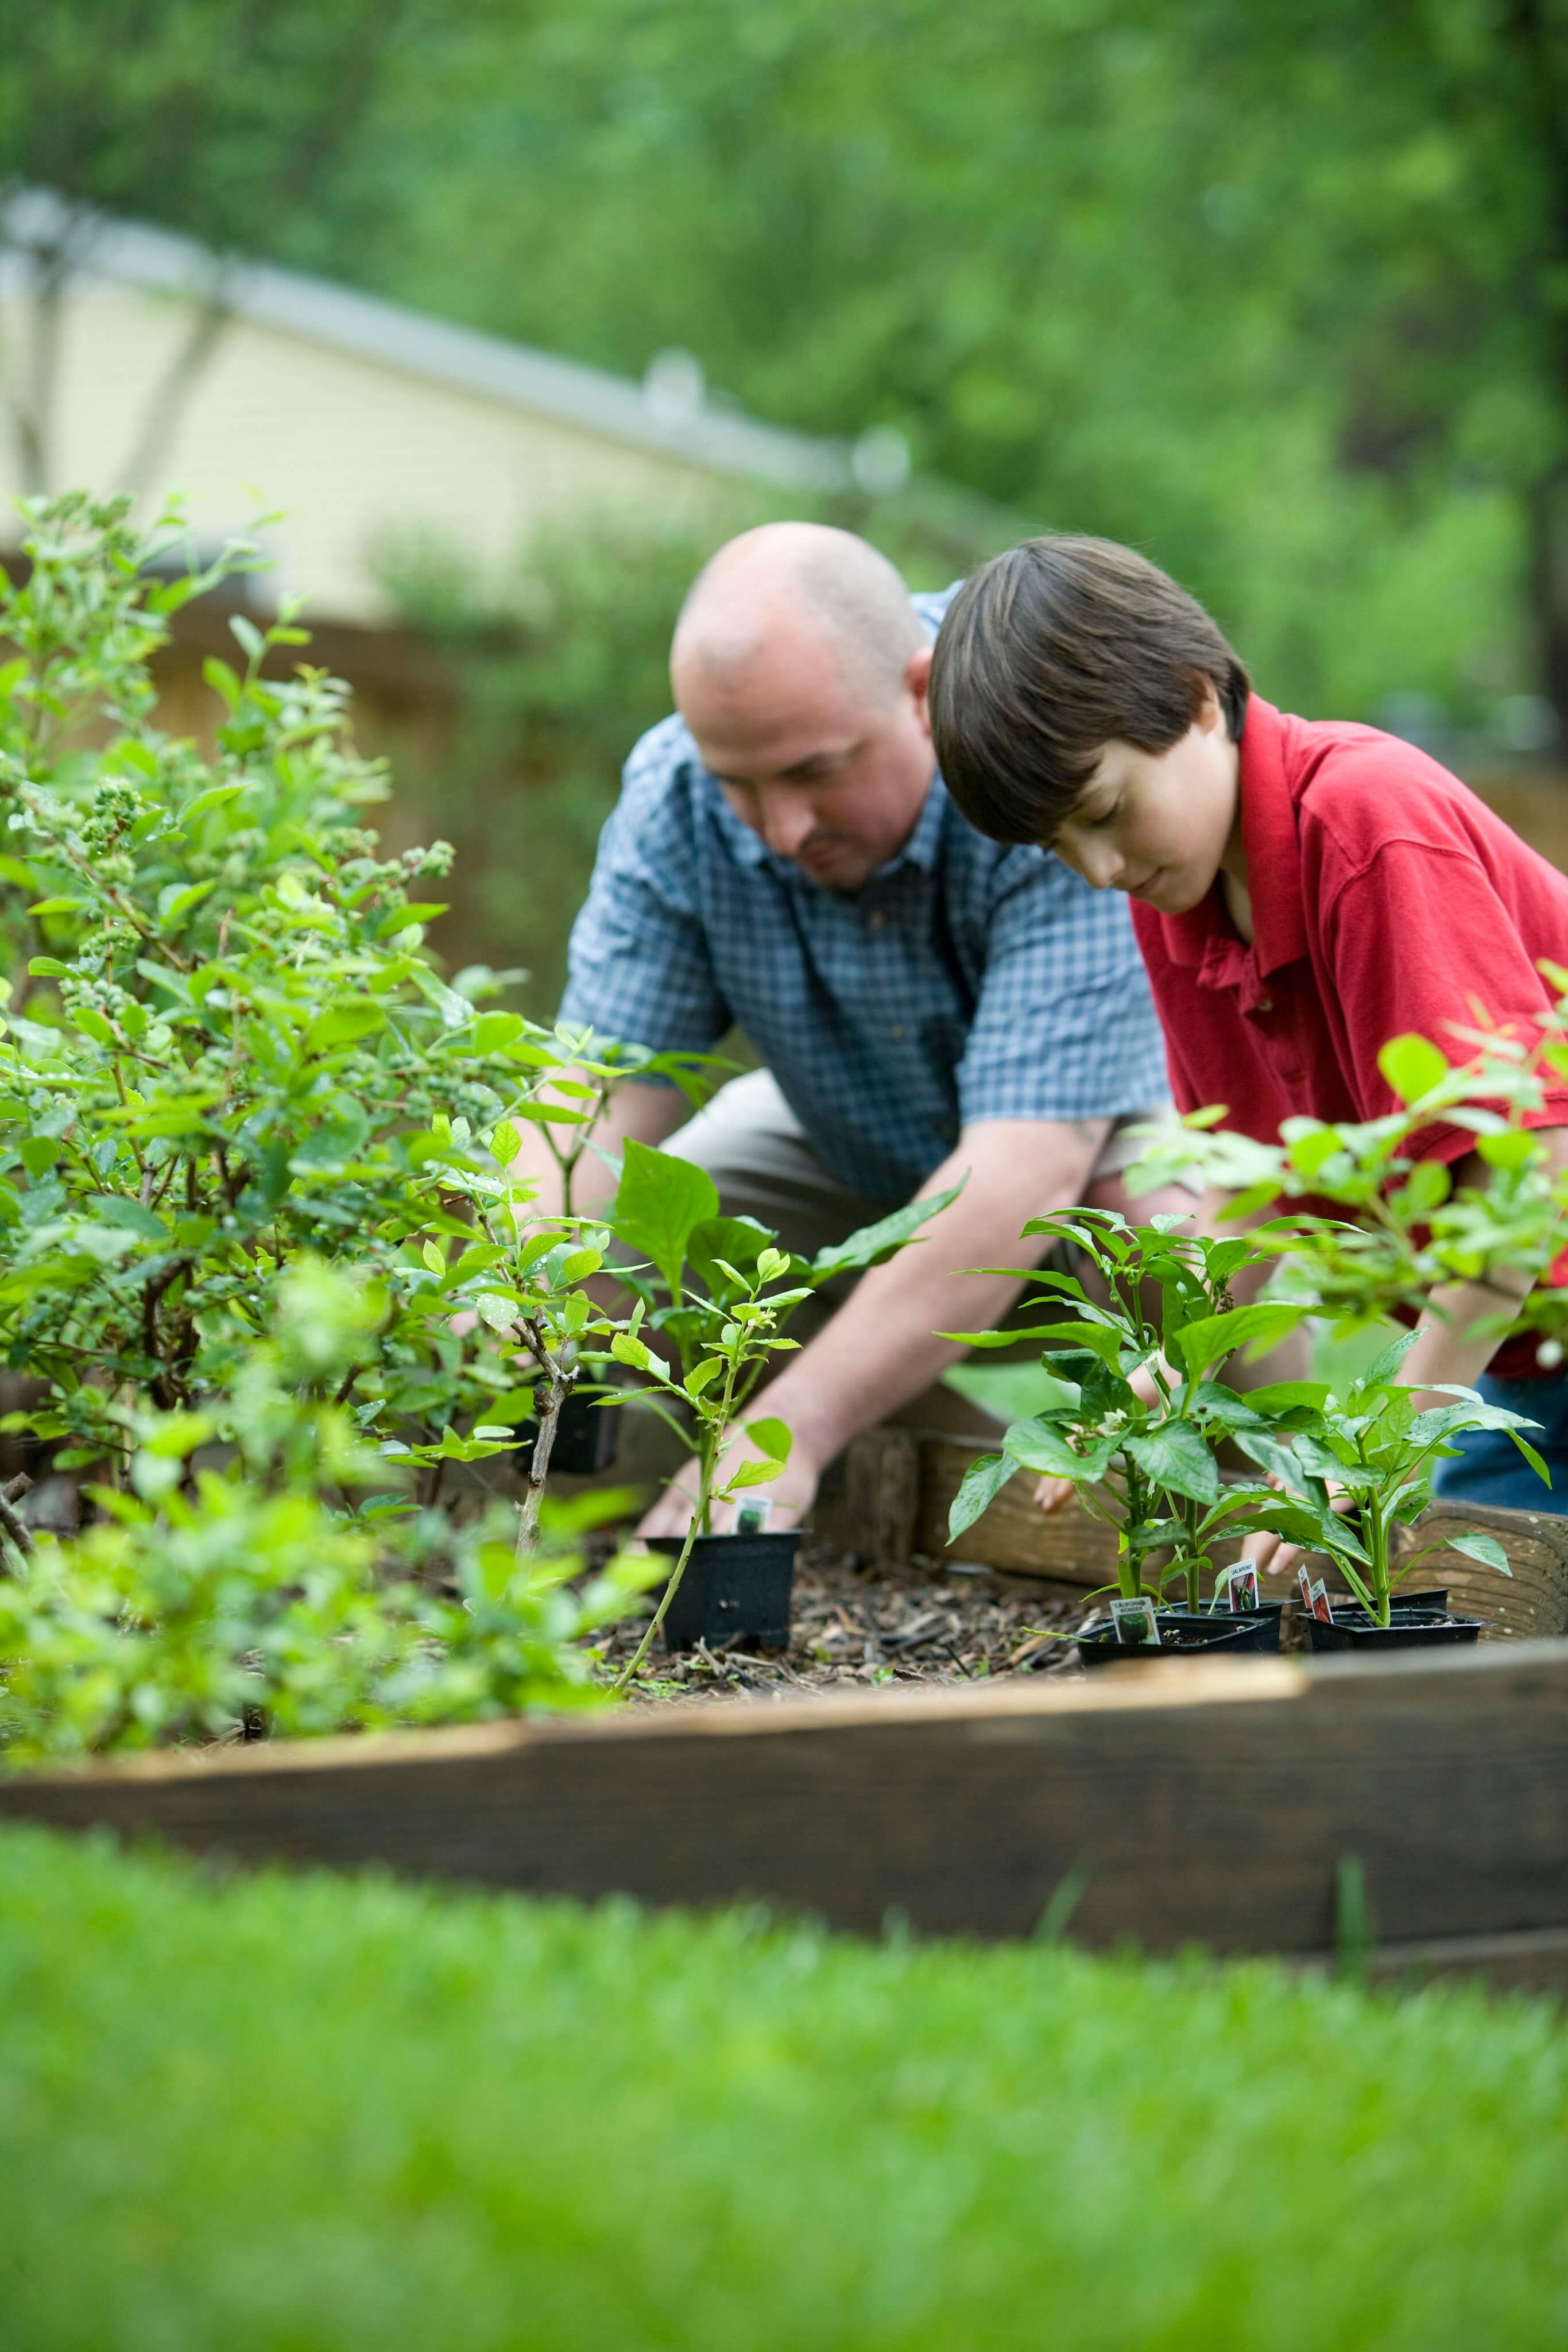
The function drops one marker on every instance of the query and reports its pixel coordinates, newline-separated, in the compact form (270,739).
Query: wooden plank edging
(1208,1804)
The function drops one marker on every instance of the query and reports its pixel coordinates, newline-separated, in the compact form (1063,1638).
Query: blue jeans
(1488,1466)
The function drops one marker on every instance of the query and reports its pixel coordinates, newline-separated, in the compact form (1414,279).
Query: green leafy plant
(1373,1452)
(708,1319)
(230,1599)
(236,1095)
(1136,1410)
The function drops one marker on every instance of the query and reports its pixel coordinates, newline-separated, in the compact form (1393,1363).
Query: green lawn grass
(300,2114)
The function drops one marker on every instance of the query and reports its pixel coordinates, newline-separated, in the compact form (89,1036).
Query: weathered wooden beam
(1069,1545)
(1532,1602)
(1198,1804)
(882,1497)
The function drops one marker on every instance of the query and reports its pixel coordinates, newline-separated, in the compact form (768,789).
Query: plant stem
(700,1522)
(560,1380)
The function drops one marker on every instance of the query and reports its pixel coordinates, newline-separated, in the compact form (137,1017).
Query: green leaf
(1531,1455)
(871,1243)
(50,968)
(222,679)
(403,919)
(505,1142)
(1175,1456)
(772,1437)
(40,1153)
(1412,1066)
(660,1201)
(1514,1149)
(754,1473)
(738,1243)
(494,1032)
(215,796)
(1312,1151)
(1486,1549)
(1259,1327)
(59,906)
(113,1209)
(1012,1391)
(703,1375)
(1100,1340)
(177,900)
(343,1024)
(982,1482)
(1386,1366)
(628,1351)
(1039,1445)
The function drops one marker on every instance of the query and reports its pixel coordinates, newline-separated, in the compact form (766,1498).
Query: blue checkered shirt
(965,982)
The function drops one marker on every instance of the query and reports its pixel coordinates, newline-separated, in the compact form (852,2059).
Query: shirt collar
(1268,836)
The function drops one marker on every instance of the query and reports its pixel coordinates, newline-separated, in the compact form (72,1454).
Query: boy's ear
(1210,711)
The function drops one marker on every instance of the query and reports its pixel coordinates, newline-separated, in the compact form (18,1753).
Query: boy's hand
(1269,1554)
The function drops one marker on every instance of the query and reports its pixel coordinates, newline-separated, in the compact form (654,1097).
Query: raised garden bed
(1214,1804)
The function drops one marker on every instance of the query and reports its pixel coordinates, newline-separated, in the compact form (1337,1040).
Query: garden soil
(859,1627)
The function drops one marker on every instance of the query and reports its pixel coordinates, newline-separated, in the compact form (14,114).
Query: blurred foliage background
(1279,295)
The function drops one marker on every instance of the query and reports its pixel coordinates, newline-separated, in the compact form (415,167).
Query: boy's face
(1158,824)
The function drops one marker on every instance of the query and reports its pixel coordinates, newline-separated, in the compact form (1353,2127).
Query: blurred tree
(228,119)
(1277,293)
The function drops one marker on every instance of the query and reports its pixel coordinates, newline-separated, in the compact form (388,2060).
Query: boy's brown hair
(1049,653)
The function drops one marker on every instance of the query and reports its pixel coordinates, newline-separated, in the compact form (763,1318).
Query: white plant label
(1134,1623)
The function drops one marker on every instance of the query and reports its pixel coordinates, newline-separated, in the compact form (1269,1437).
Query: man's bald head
(798,585)
(799,667)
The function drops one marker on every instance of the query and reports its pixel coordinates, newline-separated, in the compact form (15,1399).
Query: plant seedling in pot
(1138,1411)
(710,1303)
(1376,1454)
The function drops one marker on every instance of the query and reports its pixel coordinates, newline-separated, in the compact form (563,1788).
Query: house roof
(668,417)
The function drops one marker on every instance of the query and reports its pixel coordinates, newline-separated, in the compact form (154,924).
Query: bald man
(929,1005)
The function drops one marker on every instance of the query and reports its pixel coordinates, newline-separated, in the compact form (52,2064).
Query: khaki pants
(754,1147)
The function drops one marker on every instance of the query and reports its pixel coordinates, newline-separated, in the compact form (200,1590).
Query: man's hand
(792,1493)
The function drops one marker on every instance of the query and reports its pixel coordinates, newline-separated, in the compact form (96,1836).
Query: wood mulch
(855,1626)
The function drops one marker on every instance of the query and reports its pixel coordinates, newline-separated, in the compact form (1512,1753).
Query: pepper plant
(1138,1411)
(1376,1453)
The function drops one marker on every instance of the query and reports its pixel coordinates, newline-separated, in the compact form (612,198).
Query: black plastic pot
(1261,1625)
(735,1589)
(1412,1629)
(1191,1638)
(585,1437)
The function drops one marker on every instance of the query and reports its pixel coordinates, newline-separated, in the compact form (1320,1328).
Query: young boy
(1302,891)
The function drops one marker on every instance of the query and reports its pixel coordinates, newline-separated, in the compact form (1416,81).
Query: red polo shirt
(1386,897)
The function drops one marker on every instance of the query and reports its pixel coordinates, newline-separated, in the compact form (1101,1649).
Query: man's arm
(881,1349)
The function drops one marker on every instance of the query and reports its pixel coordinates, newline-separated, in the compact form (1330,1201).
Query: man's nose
(784,820)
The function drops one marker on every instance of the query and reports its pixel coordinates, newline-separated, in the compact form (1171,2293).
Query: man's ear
(917,678)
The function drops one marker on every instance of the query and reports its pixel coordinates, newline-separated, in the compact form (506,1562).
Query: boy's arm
(1445,1350)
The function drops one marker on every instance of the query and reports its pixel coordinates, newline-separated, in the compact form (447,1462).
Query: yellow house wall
(353,450)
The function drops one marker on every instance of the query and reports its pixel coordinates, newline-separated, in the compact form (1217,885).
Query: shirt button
(1265,1004)
(896,1032)
(874,922)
